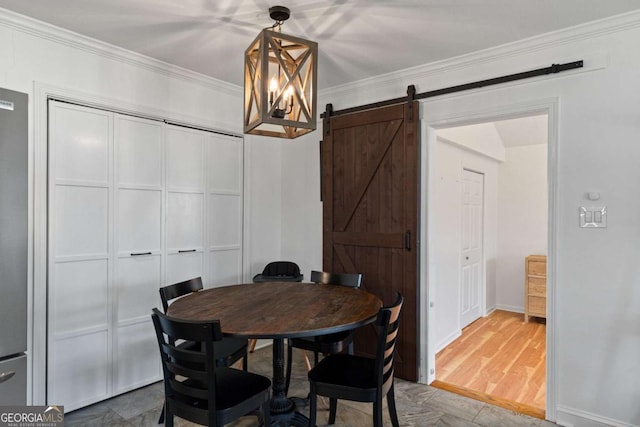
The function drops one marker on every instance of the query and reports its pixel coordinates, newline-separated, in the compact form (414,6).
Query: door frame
(430,121)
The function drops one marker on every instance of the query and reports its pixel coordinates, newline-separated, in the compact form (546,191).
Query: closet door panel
(137,287)
(139,220)
(138,360)
(139,152)
(82,370)
(81,220)
(225,164)
(185,158)
(185,221)
(81,298)
(226,267)
(82,139)
(184,266)
(226,220)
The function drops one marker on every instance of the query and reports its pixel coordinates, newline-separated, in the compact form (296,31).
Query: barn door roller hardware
(411,95)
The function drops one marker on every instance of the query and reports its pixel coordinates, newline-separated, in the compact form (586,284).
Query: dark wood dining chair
(195,388)
(277,271)
(357,378)
(325,344)
(228,351)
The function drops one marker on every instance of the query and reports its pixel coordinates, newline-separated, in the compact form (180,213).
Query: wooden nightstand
(535,286)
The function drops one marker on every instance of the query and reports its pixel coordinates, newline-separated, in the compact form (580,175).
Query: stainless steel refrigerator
(13,247)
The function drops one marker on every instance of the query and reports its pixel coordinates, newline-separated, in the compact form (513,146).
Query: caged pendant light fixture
(280,82)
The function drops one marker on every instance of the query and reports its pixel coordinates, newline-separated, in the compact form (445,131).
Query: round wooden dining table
(280,310)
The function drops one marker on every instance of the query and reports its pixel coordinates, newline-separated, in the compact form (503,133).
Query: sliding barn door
(370,213)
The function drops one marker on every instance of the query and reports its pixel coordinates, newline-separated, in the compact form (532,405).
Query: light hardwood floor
(499,359)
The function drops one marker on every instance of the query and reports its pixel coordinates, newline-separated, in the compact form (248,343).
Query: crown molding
(533,44)
(65,37)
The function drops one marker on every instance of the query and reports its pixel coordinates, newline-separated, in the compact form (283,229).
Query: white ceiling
(523,131)
(357,38)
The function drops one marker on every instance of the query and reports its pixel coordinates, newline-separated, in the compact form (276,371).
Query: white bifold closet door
(225,207)
(80,262)
(134,204)
(138,201)
(186,191)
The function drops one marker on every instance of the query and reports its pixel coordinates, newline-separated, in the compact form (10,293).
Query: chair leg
(263,414)
(161,419)
(168,422)
(333,408)
(350,348)
(315,358)
(377,413)
(245,362)
(252,345)
(391,403)
(313,402)
(306,360)
(289,363)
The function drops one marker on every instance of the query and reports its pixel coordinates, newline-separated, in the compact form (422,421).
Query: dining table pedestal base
(283,409)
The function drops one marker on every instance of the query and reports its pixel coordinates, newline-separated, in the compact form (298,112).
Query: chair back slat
(345,279)
(388,322)
(196,393)
(168,293)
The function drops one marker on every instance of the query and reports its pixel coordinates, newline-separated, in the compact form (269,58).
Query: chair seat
(234,386)
(332,343)
(345,370)
(237,392)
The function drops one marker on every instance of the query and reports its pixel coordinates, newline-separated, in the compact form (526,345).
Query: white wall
(32,52)
(595,310)
(302,209)
(522,220)
(263,163)
(445,238)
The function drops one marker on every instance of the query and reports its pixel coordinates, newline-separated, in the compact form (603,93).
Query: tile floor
(418,405)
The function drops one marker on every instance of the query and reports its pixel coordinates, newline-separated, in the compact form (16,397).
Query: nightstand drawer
(537,306)
(537,286)
(537,268)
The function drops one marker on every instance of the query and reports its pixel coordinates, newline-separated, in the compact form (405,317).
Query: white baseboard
(571,417)
(448,340)
(512,308)
(489,311)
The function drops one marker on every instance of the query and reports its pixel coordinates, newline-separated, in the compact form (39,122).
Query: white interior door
(224,218)
(139,219)
(471,246)
(79,270)
(186,189)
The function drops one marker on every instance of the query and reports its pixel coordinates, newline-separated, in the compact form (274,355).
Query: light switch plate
(593,216)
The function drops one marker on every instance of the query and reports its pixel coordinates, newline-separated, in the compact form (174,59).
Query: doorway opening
(488,214)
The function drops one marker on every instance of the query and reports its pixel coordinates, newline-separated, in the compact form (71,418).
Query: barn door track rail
(412,95)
